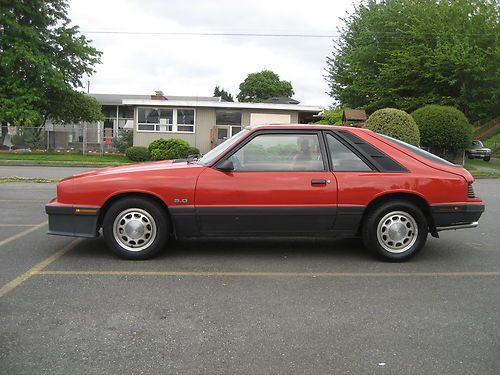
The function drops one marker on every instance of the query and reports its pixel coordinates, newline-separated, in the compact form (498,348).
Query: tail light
(470,192)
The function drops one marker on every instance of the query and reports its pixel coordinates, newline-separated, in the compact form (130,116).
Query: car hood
(141,167)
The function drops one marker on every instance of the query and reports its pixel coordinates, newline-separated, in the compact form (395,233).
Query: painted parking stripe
(37,268)
(268,274)
(23,233)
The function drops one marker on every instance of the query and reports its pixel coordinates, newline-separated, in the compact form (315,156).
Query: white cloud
(193,65)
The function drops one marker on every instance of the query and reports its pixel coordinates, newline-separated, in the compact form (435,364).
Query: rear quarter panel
(433,185)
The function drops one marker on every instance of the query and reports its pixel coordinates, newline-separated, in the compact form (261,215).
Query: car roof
(307,127)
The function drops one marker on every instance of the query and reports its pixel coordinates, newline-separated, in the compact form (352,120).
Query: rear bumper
(76,221)
(459,216)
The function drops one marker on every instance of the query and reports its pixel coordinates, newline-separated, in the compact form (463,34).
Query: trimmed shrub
(444,130)
(137,153)
(168,149)
(192,151)
(394,123)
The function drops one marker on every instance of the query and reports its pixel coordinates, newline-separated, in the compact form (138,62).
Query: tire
(135,228)
(395,231)
(487,158)
(469,156)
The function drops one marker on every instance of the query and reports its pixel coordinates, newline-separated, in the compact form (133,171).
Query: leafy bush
(443,130)
(394,123)
(332,116)
(168,149)
(192,151)
(124,140)
(33,138)
(137,153)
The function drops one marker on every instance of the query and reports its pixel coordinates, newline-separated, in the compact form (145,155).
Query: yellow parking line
(23,233)
(267,274)
(37,268)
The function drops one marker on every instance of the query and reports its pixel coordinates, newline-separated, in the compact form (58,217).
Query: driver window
(280,152)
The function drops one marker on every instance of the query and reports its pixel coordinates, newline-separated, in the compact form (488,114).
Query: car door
(279,184)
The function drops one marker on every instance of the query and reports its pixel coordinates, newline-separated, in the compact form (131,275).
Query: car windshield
(477,144)
(425,154)
(214,153)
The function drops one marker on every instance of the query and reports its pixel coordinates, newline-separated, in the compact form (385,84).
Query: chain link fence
(82,138)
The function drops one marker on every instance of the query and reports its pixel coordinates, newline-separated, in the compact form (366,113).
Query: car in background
(275,180)
(477,151)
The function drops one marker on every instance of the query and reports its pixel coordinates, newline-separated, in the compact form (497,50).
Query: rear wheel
(135,228)
(487,158)
(395,231)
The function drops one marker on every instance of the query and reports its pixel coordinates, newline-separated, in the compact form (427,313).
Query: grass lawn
(493,142)
(66,158)
(481,168)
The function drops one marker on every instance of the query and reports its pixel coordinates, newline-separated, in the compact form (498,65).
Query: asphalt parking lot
(281,306)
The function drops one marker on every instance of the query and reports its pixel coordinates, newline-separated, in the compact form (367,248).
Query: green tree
(444,130)
(263,85)
(42,61)
(226,96)
(408,53)
(394,123)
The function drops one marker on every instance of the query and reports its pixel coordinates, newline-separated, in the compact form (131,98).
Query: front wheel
(487,158)
(395,231)
(135,228)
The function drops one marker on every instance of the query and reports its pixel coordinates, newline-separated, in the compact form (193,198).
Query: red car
(297,180)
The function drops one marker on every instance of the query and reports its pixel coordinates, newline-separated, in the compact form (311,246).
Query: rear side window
(343,159)
(425,154)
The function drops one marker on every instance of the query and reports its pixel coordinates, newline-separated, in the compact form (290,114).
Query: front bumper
(459,216)
(69,220)
(479,154)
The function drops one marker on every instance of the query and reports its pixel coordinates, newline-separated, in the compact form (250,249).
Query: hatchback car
(297,180)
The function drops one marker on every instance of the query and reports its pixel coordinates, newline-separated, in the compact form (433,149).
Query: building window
(228,117)
(185,120)
(115,118)
(227,123)
(174,120)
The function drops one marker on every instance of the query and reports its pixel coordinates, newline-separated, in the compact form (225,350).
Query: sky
(195,64)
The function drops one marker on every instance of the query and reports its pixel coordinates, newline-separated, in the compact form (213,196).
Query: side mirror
(226,166)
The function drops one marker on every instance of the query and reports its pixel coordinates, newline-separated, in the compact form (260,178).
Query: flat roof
(229,105)
(116,99)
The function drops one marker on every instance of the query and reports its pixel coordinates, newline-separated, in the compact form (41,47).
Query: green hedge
(395,123)
(137,153)
(168,149)
(443,129)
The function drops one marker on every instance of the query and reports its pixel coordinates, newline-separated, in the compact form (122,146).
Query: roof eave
(235,105)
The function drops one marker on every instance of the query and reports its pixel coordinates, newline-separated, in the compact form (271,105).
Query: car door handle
(319,182)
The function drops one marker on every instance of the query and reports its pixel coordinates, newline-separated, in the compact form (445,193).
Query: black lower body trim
(76,221)
(450,214)
(264,220)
